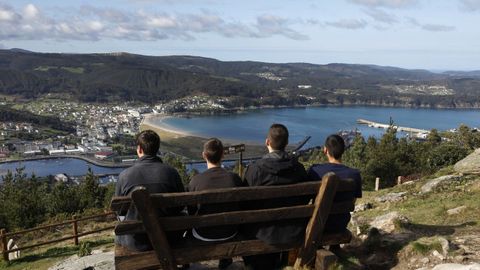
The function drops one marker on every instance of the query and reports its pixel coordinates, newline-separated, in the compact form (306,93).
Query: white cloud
(381,16)
(348,24)
(2,46)
(470,5)
(431,27)
(93,23)
(30,11)
(385,3)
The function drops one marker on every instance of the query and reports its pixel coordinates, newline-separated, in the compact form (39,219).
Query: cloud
(348,24)
(470,5)
(381,16)
(93,23)
(431,27)
(385,3)
(2,46)
(269,25)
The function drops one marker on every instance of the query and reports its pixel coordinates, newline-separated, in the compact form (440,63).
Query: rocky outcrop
(389,222)
(392,197)
(470,164)
(434,183)
(456,266)
(457,210)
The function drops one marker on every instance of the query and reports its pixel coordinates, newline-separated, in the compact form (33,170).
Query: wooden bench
(167,255)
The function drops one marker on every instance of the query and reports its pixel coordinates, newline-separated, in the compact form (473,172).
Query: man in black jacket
(149,172)
(275,168)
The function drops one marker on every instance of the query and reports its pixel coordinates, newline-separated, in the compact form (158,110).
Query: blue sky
(427,34)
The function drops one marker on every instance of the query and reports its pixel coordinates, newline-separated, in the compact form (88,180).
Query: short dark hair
(213,150)
(335,145)
(149,141)
(278,136)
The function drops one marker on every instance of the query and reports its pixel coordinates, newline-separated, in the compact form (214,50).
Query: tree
(90,193)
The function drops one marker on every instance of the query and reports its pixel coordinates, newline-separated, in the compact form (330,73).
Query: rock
(425,260)
(362,207)
(432,184)
(99,261)
(389,222)
(470,164)
(457,210)
(392,197)
(430,241)
(437,254)
(455,266)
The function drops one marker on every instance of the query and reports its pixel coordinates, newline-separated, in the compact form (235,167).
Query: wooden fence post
(3,239)
(75,229)
(377,183)
(399,180)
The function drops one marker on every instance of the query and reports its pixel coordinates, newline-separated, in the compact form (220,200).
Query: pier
(385,126)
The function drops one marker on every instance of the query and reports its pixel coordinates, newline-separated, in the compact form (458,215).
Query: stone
(362,207)
(388,223)
(456,266)
(470,164)
(457,210)
(432,184)
(392,197)
(425,260)
(437,254)
(99,261)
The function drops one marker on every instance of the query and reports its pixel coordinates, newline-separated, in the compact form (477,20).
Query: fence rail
(74,222)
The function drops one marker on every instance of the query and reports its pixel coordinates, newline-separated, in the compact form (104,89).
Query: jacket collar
(149,158)
(276,154)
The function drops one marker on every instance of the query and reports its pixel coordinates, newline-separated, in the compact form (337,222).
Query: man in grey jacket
(149,172)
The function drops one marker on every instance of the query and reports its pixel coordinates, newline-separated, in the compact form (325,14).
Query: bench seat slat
(167,200)
(125,259)
(228,218)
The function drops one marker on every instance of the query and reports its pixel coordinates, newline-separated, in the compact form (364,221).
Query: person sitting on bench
(333,149)
(151,173)
(275,168)
(213,178)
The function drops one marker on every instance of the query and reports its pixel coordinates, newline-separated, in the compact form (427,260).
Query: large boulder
(456,266)
(432,184)
(392,197)
(389,222)
(470,164)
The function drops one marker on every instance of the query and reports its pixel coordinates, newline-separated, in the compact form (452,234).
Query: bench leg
(324,259)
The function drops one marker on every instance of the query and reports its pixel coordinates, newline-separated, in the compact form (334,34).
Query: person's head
(148,143)
(277,138)
(213,151)
(334,146)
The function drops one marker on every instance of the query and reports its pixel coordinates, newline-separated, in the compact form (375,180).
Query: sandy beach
(189,145)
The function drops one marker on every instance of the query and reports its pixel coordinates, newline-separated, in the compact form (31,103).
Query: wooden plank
(125,259)
(225,218)
(156,234)
(324,259)
(121,204)
(323,203)
(230,218)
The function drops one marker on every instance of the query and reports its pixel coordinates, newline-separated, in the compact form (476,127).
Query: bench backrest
(157,227)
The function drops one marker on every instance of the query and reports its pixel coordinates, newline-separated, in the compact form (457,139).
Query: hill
(116,77)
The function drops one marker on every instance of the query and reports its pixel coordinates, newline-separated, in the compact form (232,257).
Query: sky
(416,34)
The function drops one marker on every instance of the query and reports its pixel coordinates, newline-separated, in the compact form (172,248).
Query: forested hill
(129,77)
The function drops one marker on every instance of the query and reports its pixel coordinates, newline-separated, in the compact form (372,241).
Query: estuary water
(252,126)
(318,122)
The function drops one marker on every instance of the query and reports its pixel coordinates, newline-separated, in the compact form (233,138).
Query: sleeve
(313,175)
(358,180)
(249,176)
(119,184)
(178,180)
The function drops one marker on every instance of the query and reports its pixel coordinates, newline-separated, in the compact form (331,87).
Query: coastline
(190,146)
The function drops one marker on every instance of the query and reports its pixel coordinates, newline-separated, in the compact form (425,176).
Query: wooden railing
(74,222)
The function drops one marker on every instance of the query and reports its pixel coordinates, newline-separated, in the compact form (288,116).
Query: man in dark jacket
(149,172)
(213,178)
(275,168)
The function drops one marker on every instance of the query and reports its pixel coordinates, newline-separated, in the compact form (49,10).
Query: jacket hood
(278,162)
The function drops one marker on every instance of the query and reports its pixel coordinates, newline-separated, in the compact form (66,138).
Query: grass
(44,259)
(76,70)
(423,248)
